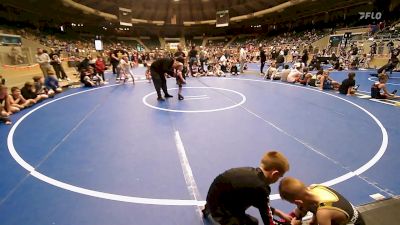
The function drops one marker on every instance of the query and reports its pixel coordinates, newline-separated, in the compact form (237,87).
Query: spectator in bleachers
(304,57)
(57,65)
(373,47)
(192,58)
(315,63)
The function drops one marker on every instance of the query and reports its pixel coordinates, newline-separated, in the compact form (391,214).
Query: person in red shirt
(100,66)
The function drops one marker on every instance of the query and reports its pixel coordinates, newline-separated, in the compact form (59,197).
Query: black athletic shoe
(168,96)
(180,97)
(356,87)
(394,92)
(160,99)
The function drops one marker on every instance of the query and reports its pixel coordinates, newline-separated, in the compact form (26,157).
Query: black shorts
(222,217)
(312,82)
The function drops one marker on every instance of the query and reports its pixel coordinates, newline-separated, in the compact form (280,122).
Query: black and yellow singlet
(330,199)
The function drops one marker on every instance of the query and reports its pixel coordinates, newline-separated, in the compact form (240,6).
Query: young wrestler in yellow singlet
(328,206)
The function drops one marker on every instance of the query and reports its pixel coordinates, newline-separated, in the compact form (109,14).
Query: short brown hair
(36,78)
(14,89)
(291,189)
(28,84)
(275,161)
(351,75)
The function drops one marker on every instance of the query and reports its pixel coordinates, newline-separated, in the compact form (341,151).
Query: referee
(158,70)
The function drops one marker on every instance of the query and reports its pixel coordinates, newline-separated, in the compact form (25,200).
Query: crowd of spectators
(290,57)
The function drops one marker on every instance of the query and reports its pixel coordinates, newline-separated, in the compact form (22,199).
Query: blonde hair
(291,189)
(275,161)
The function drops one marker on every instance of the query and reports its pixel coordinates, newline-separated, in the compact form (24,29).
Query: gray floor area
(384,212)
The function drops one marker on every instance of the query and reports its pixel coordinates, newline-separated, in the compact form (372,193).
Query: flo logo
(372,15)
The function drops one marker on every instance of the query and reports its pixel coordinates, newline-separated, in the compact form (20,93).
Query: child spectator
(271,71)
(38,83)
(381,85)
(29,92)
(347,86)
(327,83)
(51,83)
(89,78)
(285,72)
(17,100)
(100,67)
(314,80)
(5,102)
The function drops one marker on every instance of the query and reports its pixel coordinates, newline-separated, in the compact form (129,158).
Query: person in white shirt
(125,69)
(223,61)
(43,59)
(242,58)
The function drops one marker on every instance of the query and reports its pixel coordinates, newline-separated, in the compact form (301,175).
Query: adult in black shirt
(286,52)
(115,57)
(280,61)
(27,91)
(315,63)
(394,53)
(85,63)
(274,54)
(304,57)
(235,190)
(347,85)
(263,59)
(158,69)
(373,48)
(57,64)
(393,61)
(354,50)
(192,58)
(114,60)
(390,46)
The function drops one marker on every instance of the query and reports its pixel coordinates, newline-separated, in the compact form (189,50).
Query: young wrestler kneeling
(235,190)
(327,205)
